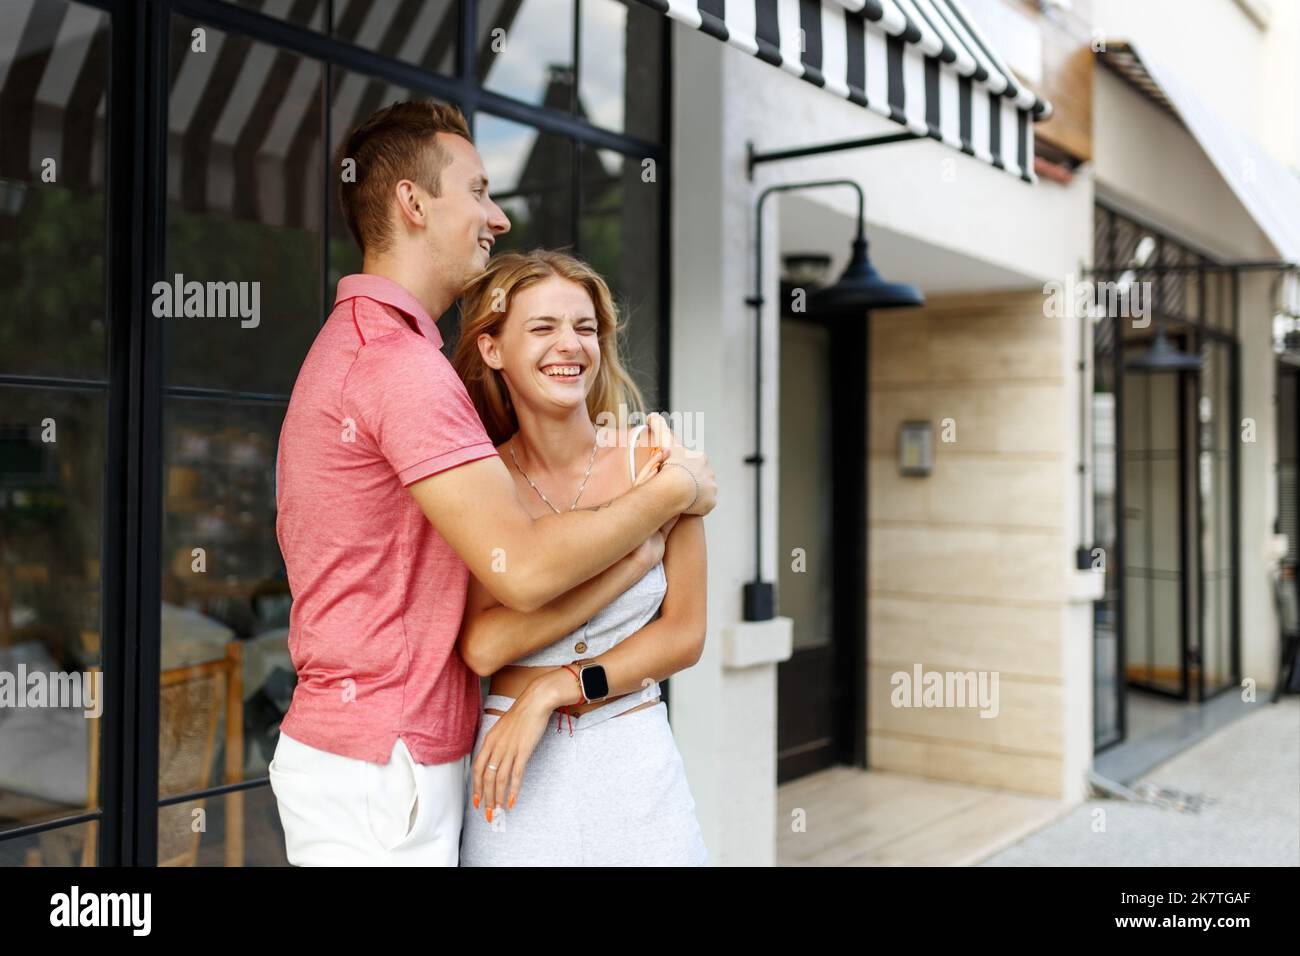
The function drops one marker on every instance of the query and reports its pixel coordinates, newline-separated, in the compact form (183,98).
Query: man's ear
(487,347)
(412,203)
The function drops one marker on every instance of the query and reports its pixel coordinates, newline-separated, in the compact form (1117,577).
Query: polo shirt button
(580,647)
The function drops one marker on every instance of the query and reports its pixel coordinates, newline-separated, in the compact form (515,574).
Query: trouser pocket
(392,804)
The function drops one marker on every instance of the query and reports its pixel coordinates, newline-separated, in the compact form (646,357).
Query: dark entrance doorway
(821,547)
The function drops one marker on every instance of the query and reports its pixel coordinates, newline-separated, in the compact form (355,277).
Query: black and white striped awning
(922,63)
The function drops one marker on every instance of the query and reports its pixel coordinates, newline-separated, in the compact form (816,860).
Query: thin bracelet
(582,694)
(564,709)
(694,479)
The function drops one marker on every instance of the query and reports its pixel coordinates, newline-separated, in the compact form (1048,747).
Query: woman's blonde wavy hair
(485,303)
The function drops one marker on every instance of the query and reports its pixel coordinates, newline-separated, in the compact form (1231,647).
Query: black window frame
(135,246)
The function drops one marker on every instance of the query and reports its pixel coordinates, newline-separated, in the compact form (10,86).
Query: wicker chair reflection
(193,699)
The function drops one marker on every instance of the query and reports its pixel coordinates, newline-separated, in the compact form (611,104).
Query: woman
(559,776)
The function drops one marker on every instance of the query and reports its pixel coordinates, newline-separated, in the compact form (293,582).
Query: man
(390,494)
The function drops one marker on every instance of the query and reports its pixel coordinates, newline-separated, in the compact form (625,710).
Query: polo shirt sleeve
(408,399)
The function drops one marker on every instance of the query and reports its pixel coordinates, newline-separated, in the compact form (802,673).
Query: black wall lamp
(859,289)
(1163,356)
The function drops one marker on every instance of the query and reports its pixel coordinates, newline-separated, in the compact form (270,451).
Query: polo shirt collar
(389,292)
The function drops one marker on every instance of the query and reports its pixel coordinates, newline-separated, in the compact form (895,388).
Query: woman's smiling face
(548,348)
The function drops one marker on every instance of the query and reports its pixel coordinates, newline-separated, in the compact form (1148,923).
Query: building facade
(979,491)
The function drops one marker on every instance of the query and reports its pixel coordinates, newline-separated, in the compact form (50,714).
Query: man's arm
(410,408)
(492,636)
(523,562)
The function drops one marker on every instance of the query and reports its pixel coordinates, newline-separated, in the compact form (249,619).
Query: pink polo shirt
(378,594)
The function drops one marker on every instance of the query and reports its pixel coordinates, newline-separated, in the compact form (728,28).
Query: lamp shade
(1163,357)
(860,288)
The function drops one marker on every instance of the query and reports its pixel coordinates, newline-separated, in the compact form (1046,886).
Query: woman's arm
(492,635)
(663,647)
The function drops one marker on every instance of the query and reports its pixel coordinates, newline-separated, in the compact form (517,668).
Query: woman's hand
(651,467)
(512,739)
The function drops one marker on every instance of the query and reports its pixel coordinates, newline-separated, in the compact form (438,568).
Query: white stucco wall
(944,222)
(932,213)
(724,718)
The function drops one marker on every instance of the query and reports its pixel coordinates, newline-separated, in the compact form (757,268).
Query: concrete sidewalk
(1250,773)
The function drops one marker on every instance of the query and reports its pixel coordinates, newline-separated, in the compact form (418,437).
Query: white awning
(1265,187)
(922,63)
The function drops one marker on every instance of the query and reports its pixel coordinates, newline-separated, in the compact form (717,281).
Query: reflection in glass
(51,521)
(238,829)
(620,74)
(244,185)
(619,236)
(422,32)
(304,13)
(75,845)
(1215,461)
(525,50)
(53,108)
(227,677)
(53,101)
(1106,649)
(1154,535)
(246,154)
(531,177)
(806,594)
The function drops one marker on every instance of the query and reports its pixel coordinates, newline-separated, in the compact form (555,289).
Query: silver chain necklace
(581,488)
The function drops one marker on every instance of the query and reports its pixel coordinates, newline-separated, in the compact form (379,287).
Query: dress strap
(631,450)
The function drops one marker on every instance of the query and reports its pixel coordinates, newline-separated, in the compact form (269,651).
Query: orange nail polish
(511,805)
(489,814)
(476,799)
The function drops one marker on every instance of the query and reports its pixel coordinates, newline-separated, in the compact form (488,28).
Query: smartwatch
(594,684)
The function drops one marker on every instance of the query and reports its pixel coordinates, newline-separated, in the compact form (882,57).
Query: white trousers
(339,811)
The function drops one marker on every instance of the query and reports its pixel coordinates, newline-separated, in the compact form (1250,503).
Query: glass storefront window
(52,113)
(247,140)
(420,32)
(305,13)
(53,416)
(246,214)
(1217,515)
(52,455)
(525,50)
(531,177)
(621,46)
(618,236)
(1169,613)
(245,183)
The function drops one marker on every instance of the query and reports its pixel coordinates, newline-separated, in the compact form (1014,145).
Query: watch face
(594,684)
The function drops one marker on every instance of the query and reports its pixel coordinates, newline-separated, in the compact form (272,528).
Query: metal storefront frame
(135,240)
(1198,331)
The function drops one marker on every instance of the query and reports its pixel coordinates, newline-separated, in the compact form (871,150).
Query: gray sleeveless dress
(611,793)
